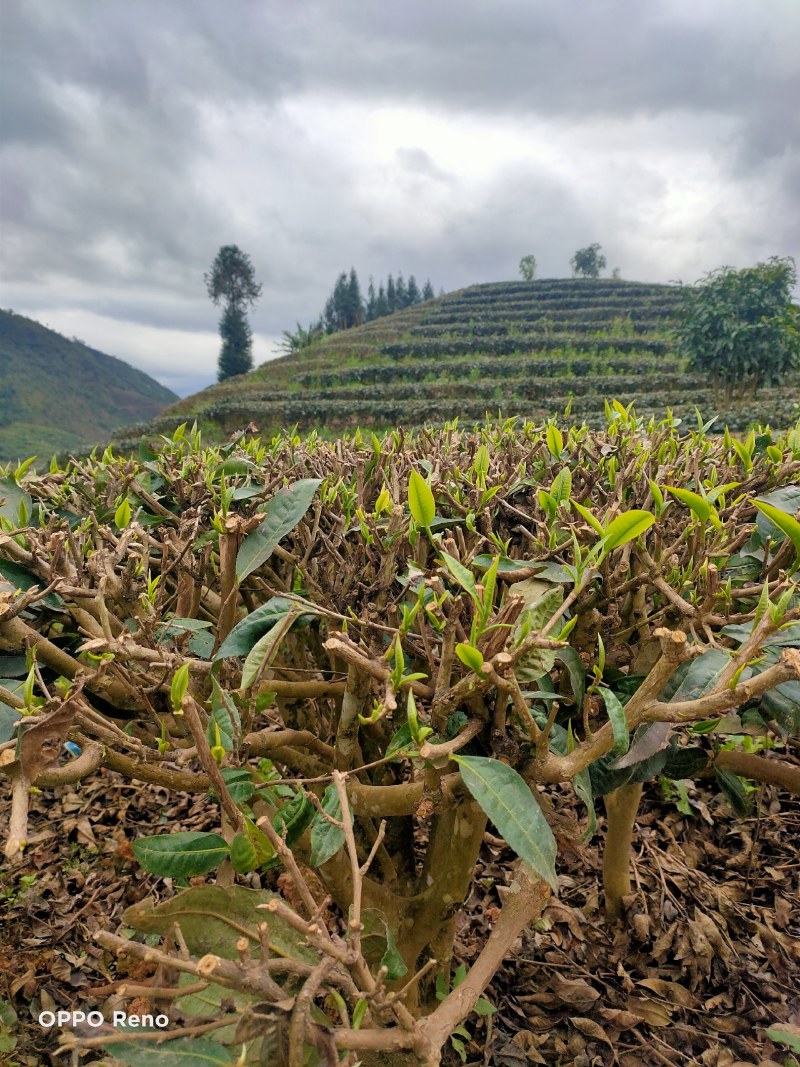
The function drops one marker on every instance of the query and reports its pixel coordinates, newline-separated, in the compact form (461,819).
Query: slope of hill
(58,395)
(518,348)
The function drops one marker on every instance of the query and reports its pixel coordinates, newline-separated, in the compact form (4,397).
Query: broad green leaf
(24,579)
(180,855)
(283,512)
(511,806)
(122,516)
(421,503)
(326,839)
(224,717)
(246,633)
(562,485)
(243,854)
(251,848)
(646,742)
(619,723)
(785,1034)
(11,497)
(705,511)
(697,677)
(685,762)
(734,791)
(786,523)
(401,743)
(265,649)
(380,947)
(294,817)
(469,656)
(181,1052)
(587,515)
(212,918)
(577,672)
(537,661)
(626,527)
(9,717)
(463,576)
(555,441)
(239,781)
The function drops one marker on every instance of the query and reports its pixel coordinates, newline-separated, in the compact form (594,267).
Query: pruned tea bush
(363,653)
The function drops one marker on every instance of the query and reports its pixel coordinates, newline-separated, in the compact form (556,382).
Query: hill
(520,348)
(58,395)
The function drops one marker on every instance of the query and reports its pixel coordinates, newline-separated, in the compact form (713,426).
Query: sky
(442,139)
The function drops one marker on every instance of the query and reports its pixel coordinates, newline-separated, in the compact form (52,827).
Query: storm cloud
(445,140)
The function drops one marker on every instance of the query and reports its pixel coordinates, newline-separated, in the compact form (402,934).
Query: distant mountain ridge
(58,395)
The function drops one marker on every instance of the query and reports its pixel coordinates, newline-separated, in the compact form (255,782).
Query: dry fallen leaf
(591,1029)
(652,1011)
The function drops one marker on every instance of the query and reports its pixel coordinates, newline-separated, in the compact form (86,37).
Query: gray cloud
(443,140)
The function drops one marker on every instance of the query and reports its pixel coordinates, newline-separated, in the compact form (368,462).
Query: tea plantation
(517,348)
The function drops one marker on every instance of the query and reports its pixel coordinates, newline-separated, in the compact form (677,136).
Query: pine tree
(381,303)
(371,300)
(232,279)
(427,291)
(391,295)
(236,354)
(412,291)
(355,305)
(400,293)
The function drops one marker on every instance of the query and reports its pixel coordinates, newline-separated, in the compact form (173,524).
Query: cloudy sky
(441,139)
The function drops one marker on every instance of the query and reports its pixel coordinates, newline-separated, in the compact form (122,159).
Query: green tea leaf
(224,717)
(265,649)
(626,527)
(326,839)
(785,522)
(283,512)
(619,723)
(246,633)
(469,656)
(180,855)
(510,804)
(182,1052)
(463,576)
(705,511)
(555,441)
(785,1034)
(421,503)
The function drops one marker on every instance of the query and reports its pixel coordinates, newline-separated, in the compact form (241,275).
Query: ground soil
(705,960)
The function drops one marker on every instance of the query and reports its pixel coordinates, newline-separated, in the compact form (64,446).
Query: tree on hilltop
(740,327)
(527,268)
(588,262)
(231,281)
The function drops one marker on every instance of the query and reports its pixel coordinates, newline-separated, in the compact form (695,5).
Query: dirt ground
(706,959)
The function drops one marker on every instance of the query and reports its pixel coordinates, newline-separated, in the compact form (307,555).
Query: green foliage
(509,803)
(231,281)
(740,328)
(283,513)
(236,354)
(588,262)
(530,347)
(494,612)
(527,268)
(96,393)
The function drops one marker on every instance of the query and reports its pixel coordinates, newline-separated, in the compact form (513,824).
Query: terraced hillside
(518,348)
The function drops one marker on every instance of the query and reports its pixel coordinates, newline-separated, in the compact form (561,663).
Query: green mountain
(58,395)
(518,348)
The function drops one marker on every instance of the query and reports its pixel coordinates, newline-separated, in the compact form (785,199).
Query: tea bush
(363,653)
